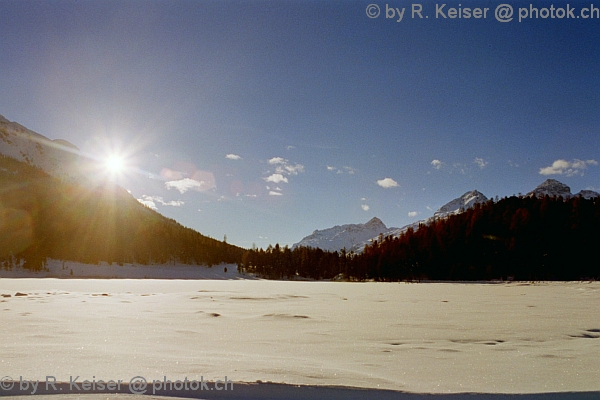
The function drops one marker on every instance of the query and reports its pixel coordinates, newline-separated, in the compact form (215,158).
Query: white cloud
(285,167)
(290,169)
(233,157)
(276,178)
(350,170)
(365,207)
(147,203)
(185,184)
(330,168)
(564,167)
(290,147)
(481,163)
(151,201)
(412,214)
(437,164)
(387,183)
(277,160)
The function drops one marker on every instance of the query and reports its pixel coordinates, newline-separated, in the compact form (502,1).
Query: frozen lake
(423,338)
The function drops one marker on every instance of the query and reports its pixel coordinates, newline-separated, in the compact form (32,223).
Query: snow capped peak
(588,194)
(464,202)
(551,187)
(346,236)
(56,157)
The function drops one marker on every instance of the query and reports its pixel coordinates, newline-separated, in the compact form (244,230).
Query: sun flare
(114,164)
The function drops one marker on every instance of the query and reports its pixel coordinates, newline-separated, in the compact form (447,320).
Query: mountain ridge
(332,239)
(57,157)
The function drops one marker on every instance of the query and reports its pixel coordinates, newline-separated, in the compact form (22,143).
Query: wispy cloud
(233,157)
(459,167)
(273,193)
(437,164)
(412,214)
(387,183)
(347,169)
(365,207)
(185,184)
(568,168)
(481,163)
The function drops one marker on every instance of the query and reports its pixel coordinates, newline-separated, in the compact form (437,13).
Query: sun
(114,164)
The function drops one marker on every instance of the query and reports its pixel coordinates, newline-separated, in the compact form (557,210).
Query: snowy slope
(464,202)
(345,236)
(58,158)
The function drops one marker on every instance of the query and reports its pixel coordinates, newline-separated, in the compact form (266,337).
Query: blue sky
(264,121)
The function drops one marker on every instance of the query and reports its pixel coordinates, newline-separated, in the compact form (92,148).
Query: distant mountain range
(354,237)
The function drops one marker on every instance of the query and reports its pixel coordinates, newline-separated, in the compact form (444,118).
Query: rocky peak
(551,187)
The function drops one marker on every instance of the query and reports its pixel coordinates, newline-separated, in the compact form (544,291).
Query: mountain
(48,210)
(588,194)
(460,204)
(551,187)
(58,158)
(351,237)
(346,236)
(354,237)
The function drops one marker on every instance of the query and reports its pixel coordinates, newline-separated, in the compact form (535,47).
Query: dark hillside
(42,217)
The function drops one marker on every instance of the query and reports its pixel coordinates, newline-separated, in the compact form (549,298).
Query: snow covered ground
(70,269)
(337,339)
